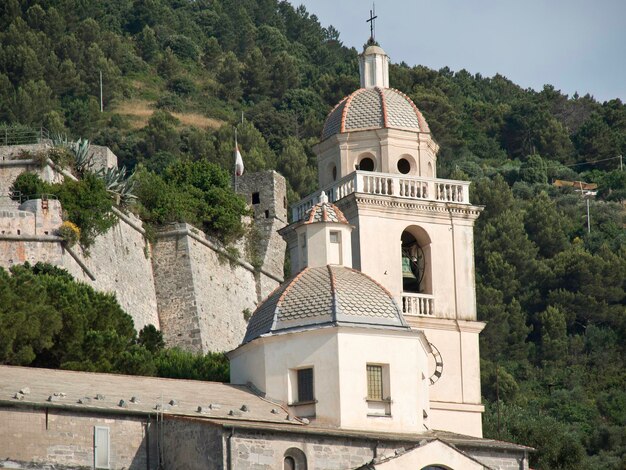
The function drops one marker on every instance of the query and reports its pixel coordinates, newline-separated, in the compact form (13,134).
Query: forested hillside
(179,75)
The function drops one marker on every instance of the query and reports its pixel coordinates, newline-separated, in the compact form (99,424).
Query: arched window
(429,171)
(289,464)
(416,262)
(366,162)
(435,467)
(294,459)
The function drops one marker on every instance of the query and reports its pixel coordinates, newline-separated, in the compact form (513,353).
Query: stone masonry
(204,298)
(66,438)
(185,284)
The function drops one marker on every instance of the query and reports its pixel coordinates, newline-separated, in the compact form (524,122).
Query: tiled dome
(374,108)
(325,212)
(325,296)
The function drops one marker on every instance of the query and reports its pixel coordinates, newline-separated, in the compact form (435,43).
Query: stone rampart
(119,262)
(197,293)
(204,294)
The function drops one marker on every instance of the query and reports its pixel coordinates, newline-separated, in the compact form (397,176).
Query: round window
(404,166)
(367,164)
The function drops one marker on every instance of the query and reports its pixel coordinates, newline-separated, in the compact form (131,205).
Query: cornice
(446,324)
(382,203)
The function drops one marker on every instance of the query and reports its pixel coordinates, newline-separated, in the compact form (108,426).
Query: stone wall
(119,262)
(203,295)
(192,445)
(63,438)
(187,286)
(266,194)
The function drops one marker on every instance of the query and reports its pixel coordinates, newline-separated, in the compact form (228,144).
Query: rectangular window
(374,382)
(335,237)
(256,198)
(101,447)
(305,385)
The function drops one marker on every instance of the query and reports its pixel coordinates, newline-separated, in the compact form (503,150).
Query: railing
(386,184)
(19,135)
(418,304)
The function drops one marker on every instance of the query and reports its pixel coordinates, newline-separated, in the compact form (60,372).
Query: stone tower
(413,232)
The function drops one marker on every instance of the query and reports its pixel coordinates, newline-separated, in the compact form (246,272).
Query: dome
(324,211)
(325,296)
(374,108)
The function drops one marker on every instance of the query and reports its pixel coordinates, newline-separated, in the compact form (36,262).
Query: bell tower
(413,232)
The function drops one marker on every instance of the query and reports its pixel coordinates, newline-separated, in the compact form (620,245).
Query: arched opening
(290,464)
(435,467)
(334,173)
(366,162)
(294,459)
(416,262)
(429,171)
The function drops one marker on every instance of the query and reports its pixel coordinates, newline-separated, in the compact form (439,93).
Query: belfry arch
(416,265)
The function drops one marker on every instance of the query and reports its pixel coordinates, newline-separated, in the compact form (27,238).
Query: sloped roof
(326,295)
(374,108)
(104,393)
(324,212)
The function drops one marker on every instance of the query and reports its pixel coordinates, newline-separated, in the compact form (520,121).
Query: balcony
(387,184)
(419,305)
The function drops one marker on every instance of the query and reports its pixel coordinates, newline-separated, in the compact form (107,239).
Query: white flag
(238,162)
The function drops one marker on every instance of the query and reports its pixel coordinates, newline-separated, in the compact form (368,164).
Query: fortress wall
(175,292)
(45,249)
(203,295)
(120,262)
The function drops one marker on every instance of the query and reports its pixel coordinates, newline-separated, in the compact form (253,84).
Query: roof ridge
(333,293)
(344,111)
(383,104)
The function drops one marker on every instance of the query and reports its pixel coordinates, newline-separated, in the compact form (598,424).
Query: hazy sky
(575,45)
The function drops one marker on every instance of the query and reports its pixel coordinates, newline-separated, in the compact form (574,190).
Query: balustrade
(418,304)
(386,184)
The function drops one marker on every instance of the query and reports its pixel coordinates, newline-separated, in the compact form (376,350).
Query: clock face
(435,364)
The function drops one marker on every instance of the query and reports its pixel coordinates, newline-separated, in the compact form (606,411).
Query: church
(366,358)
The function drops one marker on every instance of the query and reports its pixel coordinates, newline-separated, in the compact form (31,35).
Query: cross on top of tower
(372,23)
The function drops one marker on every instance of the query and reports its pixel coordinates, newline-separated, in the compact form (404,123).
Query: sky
(574,45)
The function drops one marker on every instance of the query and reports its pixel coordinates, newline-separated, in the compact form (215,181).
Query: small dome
(374,49)
(325,296)
(325,212)
(374,108)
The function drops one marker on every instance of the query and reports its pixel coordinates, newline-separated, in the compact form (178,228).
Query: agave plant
(83,159)
(119,184)
(59,140)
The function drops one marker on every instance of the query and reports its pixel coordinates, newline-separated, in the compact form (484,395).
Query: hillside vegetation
(179,75)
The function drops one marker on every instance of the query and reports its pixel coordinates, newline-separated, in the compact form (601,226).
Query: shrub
(70,232)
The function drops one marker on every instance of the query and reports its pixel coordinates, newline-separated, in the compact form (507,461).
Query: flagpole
(236,149)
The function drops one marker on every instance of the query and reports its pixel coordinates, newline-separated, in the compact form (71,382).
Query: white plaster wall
(468,422)
(379,232)
(281,353)
(247,364)
(319,251)
(407,361)
(386,146)
(339,356)
(433,453)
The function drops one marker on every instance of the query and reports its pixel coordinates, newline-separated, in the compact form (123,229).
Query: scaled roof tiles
(374,108)
(326,295)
